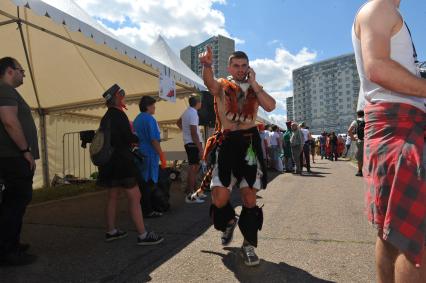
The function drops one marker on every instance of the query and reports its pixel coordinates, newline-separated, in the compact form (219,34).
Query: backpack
(101,149)
(360,125)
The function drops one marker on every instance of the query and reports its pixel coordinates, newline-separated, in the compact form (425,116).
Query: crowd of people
(294,148)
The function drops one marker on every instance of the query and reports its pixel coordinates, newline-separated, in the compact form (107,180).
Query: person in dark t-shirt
(18,152)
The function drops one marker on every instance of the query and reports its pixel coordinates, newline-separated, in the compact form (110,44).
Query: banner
(167,88)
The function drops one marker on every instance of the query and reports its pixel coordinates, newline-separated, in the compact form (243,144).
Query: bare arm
(206,59)
(376,24)
(351,133)
(10,121)
(179,123)
(266,101)
(196,138)
(157,146)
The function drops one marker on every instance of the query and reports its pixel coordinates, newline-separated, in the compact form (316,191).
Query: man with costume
(237,158)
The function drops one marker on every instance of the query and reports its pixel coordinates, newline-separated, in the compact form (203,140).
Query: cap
(109,93)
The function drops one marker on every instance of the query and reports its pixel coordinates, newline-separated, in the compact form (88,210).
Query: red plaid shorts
(395,175)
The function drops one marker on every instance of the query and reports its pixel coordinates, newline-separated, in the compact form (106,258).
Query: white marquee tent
(70,61)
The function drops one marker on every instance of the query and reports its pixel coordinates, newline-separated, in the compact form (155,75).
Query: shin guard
(221,216)
(251,221)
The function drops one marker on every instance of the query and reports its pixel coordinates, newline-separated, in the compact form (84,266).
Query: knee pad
(251,221)
(221,216)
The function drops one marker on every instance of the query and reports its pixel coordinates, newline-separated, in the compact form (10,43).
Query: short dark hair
(6,62)
(360,113)
(145,102)
(274,128)
(237,55)
(193,100)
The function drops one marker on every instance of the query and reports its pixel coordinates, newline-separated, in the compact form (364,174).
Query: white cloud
(276,74)
(278,119)
(180,22)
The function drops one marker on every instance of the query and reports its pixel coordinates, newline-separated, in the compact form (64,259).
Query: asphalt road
(314,231)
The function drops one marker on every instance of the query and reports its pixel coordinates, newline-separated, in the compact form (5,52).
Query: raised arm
(206,59)
(375,26)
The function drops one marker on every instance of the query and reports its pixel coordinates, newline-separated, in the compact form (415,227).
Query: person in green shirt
(288,158)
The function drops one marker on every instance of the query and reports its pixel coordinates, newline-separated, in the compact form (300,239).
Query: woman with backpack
(120,173)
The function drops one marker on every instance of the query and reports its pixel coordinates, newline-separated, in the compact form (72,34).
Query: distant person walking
(348,143)
(297,141)
(323,143)
(395,114)
(334,142)
(356,133)
(275,146)
(120,172)
(18,152)
(288,156)
(306,147)
(188,123)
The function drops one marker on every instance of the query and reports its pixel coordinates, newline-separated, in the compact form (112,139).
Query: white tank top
(401,52)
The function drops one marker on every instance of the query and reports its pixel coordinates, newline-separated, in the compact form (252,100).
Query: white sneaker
(202,196)
(191,199)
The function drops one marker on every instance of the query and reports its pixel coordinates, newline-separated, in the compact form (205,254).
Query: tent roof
(162,52)
(73,58)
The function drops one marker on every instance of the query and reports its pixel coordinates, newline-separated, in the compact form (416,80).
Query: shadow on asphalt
(68,237)
(266,272)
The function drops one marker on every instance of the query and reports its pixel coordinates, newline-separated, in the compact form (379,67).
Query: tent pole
(41,113)
(7,22)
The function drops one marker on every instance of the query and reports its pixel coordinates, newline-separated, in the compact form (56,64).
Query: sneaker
(17,258)
(151,239)
(228,235)
(249,256)
(117,235)
(191,199)
(359,174)
(202,196)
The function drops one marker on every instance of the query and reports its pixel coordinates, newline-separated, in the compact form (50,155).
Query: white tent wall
(70,60)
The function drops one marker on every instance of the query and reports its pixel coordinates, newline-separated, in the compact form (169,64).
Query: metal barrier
(76,159)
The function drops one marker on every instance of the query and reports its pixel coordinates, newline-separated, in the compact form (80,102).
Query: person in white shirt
(306,147)
(188,123)
(275,145)
(267,140)
(348,144)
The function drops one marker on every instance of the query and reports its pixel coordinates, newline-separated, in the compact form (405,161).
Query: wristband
(25,150)
(207,65)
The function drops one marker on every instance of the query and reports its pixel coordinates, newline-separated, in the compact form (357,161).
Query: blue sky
(278,35)
(320,25)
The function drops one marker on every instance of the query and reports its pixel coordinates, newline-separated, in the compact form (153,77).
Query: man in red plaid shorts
(394,95)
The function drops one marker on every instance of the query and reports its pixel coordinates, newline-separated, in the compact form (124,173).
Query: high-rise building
(326,94)
(290,108)
(222,48)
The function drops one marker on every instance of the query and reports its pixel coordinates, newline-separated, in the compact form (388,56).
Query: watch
(28,149)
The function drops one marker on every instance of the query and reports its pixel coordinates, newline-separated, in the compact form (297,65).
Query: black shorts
(193,153)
